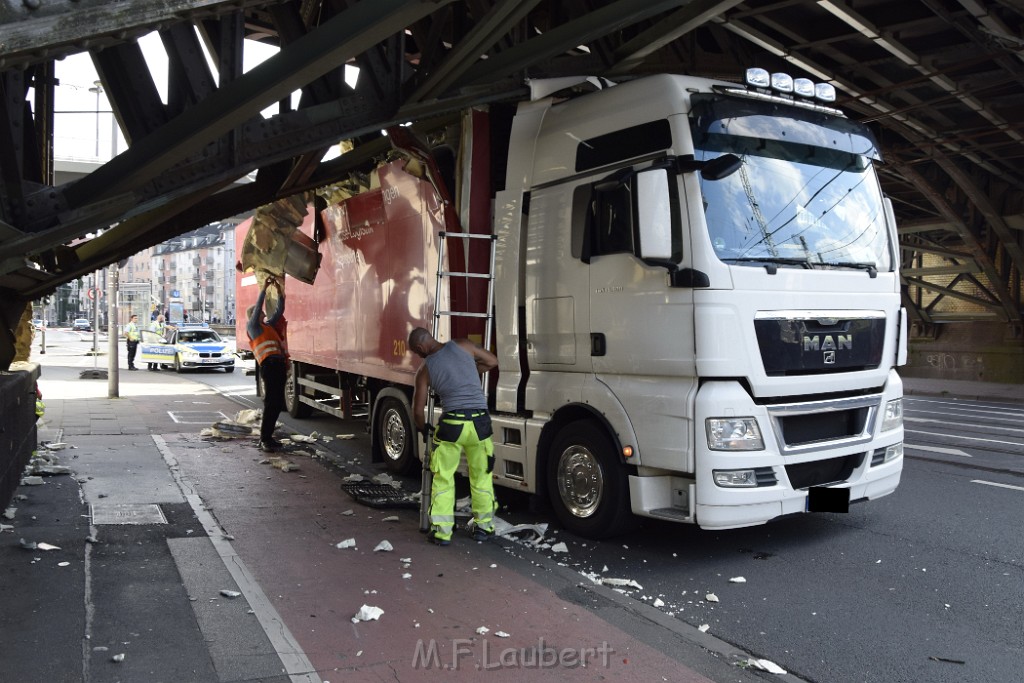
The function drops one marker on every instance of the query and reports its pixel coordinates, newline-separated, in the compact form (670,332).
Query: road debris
(10,512)
(737,579)
(32,481)
(354,478)
(344,436)
(502,634)
(658,602)
(560,547)
(367,613)
(117,658)
(384,547)
(230,594)
(947,661)
(618,583)
(711,597)
(764,665)
(392,518)
(347,543)
(482,630)
(302,438)
(703,628)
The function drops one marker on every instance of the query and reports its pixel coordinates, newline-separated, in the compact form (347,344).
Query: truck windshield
(806,195)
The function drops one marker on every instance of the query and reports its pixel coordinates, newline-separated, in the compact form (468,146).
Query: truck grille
(822,472)
(805,427)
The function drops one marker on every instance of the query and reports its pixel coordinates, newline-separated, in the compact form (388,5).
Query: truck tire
(587,485)
(295,407)
(396,437)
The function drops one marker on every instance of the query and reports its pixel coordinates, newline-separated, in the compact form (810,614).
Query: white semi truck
(696,301)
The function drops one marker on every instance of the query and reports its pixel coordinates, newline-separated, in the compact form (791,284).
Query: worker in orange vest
(268,340)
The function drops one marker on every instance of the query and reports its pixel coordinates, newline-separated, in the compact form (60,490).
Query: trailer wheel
(296,408)
(396,437)
(587,485)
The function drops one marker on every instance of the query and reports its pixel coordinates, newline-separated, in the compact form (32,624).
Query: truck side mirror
(654,214)
(721,167)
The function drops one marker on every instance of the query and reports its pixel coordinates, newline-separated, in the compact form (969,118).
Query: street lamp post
(98,89)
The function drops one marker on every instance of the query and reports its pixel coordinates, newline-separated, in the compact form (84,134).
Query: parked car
(192,347)
(81,325)
(38,324)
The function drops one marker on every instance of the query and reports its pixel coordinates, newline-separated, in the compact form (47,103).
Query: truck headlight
(734,434)
(893,415)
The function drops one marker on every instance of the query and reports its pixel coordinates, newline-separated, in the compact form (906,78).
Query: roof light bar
(784,83)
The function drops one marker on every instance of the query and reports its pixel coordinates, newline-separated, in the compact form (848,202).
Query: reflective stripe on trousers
(444,461)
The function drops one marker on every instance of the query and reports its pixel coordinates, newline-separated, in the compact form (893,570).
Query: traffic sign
(94,292)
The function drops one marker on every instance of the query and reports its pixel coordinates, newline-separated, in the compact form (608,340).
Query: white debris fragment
(247,416)
(407,575)
(359,654)
(31,481)
(392,518)
(345,436)
(302,438)
(604,569)
(230,594)
(658,602)
(501,634)
(407,560)
(384,478)
(560,547)
(621,583)
(347,543)
(348,513)
(737,579)
(367,613)
(766,665)
(117,658)
(384,547)
(46,546)
(63,564)
(353,478)
(482,630)
(6,527)
(711,597)
(10,512)
(703,628)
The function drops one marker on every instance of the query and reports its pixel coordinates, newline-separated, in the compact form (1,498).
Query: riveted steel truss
(942,81)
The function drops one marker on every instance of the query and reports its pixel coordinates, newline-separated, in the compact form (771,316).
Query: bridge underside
(941,81)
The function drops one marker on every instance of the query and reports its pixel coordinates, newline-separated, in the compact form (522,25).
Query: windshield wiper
(770,262)
(870,267)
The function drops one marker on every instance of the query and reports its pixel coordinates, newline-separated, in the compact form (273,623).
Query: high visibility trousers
(445,460)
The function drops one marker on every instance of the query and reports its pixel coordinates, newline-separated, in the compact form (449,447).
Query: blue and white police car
(188,347)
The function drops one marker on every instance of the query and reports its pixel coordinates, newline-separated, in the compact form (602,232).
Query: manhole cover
(196,417)
(127,514)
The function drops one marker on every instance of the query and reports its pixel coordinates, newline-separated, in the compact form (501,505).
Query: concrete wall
(976,351)
(17,425)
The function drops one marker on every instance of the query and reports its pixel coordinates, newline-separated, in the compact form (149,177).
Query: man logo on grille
(830,358)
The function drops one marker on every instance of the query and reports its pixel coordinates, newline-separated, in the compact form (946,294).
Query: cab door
(642,341)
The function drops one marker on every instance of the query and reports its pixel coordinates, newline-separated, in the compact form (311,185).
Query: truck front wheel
(292,390)
(395,436)
(587,484)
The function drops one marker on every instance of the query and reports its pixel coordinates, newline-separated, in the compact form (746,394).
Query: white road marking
(966,424)
(968,438)
(996,483)
(936,449)
(296,664)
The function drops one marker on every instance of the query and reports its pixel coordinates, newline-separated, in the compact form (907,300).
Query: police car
(188,347)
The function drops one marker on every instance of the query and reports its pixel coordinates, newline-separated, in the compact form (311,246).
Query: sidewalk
(177,519)
(979,391)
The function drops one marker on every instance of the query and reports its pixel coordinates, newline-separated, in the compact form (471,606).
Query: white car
(189,347)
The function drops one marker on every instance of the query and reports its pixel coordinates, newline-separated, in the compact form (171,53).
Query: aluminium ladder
(443,275)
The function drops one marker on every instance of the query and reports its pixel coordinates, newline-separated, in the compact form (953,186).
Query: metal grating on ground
(139,513)
(379,495)
(196,417)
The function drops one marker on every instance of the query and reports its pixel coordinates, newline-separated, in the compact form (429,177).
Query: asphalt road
(924,585)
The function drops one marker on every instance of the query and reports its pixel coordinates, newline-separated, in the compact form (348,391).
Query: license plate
(210,360)
(825,499)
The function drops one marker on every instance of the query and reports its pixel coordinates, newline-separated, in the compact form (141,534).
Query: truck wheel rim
(580,481)
(394,435)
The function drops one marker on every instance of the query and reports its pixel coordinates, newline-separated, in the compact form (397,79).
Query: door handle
(598,347)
